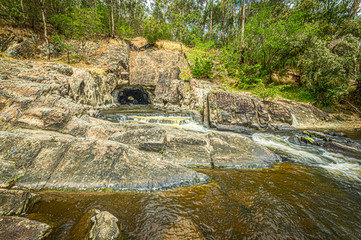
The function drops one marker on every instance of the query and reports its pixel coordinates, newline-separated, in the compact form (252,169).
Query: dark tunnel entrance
(137,95)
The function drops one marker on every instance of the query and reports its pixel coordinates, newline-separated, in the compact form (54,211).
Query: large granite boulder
(188,148)
(17,228)
(148,67)
(42,159)
(39,87)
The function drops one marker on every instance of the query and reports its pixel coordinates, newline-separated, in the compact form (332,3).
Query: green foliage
(202,68)
(154,30)
(327,73)
(78,23)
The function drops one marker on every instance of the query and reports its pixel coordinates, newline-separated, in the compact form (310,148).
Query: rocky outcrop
(43,159)
(35,90)
(17,228)
(13,202)
(207,149)
(149,67)
(158,72)
(333,143)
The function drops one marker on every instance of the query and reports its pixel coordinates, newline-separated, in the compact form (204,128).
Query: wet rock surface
(333,141)
(17,228)
(181,228)
(14,202)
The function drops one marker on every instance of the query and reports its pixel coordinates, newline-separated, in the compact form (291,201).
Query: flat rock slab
(43,159)
(13,202)
(181,147)
(17,228)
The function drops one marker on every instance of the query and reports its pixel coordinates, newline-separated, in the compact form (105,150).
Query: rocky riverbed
(52,136)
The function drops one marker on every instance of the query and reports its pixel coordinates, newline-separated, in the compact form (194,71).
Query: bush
(202,68)
(324,74)
(153,30)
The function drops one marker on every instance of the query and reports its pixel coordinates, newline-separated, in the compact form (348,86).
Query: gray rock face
(105,227)
(157,71)
(51,160)
(14,202)
(189,148)
(17,228)
(151,66)
(45,95)
(25,49)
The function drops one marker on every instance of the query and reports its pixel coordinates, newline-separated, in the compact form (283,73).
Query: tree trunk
(234,18)
(60,3)
(211,21)
(120,10)
(243,19)
(42,2)
(23,10)
(355,8)
(112,16)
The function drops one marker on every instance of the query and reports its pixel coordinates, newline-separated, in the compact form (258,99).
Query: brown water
(287,202)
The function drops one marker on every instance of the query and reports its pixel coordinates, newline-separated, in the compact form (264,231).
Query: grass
(297,94)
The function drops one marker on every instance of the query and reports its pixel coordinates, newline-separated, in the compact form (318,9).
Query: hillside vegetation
(307,50)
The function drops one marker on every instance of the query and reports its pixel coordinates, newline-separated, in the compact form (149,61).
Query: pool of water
(287,202)
(312,194)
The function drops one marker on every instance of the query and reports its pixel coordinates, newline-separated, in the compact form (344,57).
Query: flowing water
(312,194)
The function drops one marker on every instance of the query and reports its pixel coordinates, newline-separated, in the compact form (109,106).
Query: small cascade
(310,155)
(149,114)
(294,120)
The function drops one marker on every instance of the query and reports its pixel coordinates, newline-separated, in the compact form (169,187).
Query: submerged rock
(181,228)
(13,202)
(17,228)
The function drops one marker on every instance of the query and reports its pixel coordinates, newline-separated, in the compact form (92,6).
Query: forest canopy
(309,48)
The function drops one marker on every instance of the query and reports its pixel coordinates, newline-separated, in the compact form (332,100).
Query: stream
(311,194)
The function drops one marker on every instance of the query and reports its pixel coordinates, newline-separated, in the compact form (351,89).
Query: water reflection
(287,202)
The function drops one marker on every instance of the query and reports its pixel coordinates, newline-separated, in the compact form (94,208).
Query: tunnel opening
(130,96)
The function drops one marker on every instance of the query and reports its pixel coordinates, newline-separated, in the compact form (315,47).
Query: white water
(179,122)
(335,163)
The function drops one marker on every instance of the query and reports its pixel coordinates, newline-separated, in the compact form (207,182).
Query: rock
(352,149)
(166,92)
(181,228)
(25,49)
(51,160)
(236,109)
(279,112)
(233,128)
(148,139)
(113,57)
(52,82)
(236,151)
(17,228)
(105,227)
(55,50)
(139,43)
(150,66)
(187,148)
(13,202)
